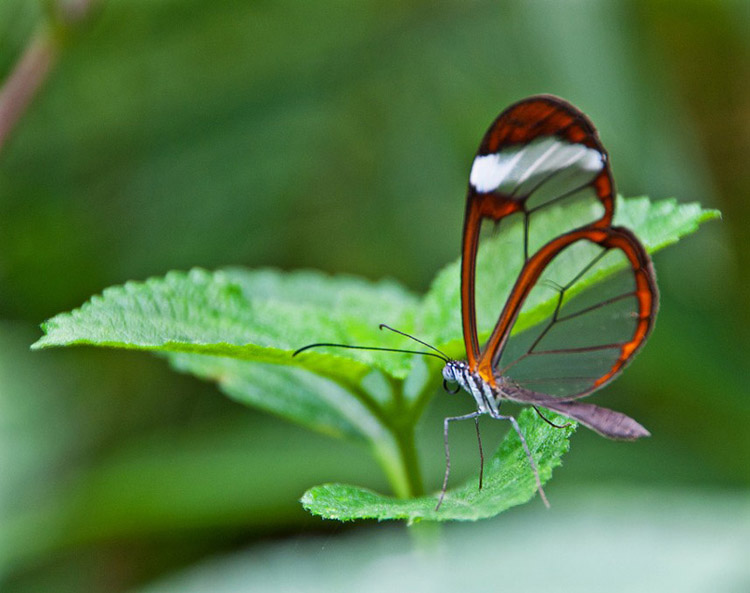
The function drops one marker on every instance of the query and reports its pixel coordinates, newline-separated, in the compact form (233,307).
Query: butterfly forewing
(540,155)
(583,296)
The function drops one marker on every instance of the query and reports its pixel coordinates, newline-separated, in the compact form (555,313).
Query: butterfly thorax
(486,396)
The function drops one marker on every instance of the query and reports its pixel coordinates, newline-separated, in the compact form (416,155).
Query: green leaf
(219,326)
(663,223)
(508,481)
(261,316)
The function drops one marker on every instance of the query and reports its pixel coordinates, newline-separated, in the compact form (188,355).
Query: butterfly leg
(481,453)
(548,421)
(517,428)
(446,423)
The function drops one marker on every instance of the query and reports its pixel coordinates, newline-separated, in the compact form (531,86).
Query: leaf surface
(508,482)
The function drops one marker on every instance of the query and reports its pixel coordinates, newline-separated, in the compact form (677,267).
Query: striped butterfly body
(582,297)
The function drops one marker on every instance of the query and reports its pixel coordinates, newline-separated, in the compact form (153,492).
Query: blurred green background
(338,135)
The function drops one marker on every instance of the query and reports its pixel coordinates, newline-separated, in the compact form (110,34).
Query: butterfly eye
(447,389)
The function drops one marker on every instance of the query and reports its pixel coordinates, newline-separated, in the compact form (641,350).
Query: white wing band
(507,169)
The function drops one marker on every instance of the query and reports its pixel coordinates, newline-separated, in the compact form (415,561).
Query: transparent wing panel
(517,237)
(504,242)
(581,206)
(574,323)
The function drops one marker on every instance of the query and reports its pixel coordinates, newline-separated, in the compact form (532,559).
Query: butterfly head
(454,371)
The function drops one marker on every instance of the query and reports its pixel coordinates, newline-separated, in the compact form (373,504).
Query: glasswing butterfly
(589,288)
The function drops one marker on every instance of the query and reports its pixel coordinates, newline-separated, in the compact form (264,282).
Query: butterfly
(583,298)
(540,154)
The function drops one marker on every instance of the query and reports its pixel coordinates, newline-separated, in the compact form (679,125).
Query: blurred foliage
(645,541)
(337,136)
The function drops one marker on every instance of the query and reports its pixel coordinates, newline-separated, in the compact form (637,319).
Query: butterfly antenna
(377,348)
(388,327)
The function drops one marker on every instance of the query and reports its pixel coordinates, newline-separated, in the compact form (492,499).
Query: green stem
(410,461)
(398,458)
(397,453)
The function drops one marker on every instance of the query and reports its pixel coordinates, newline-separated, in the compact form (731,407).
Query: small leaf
(509,481)
(660,224)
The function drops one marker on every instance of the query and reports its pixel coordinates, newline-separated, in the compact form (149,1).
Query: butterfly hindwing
(594,303)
